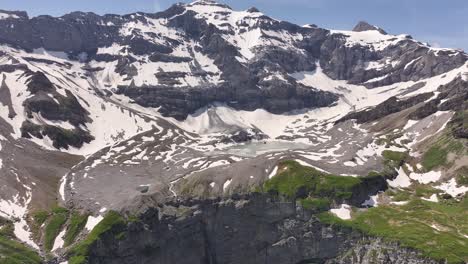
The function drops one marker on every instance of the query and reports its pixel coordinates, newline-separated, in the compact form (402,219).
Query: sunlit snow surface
(344,212)
(17,209)
(92,222)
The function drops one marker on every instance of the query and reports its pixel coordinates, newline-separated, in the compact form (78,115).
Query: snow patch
(344,212)
(451,188)
(273,172)
(93,221)
(8,16)
(426,178)
(402,180)
(59,242)
(226,184)
(433,198)
(372,201)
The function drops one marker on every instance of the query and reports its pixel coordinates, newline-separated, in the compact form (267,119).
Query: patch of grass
(373,174)
(437,155)
(78,254)
(462,176)
(400,196)
(76,224)
(77,260)
(316,204)
(59,210)
(120,235)
(296,181)
(132,218)
(389,140)
(412,226)
(7,229)
(40,217)
(394,159)
(422,190)
(459,124)
(13,252)
(394,155)
(54,226)
(434,157)
(37,219)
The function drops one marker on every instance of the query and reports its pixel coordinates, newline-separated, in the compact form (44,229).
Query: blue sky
(441,23)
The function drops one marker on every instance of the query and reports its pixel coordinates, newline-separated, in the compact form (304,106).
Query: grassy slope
(294,180)
(437,154)
(13,252)
(438,230)
(80,251)
(411,226)
(54,222)
(76,224)
(54,226)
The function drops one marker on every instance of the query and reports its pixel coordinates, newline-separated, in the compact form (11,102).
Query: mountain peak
(5,14)
(364,26)
(209,3)
(253,10)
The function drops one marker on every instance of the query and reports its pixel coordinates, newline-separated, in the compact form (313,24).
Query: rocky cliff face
(253,56)
(255,229)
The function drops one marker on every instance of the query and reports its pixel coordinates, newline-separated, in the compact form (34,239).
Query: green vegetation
(76,224)
(437,155)
(40,217)
(54,226)
(395,155)
(316,204)
(394,159)
(11,251)
(424,190)
(434,157)
(6,228)
(389,140)
(459,124)
(401,195)
(80,251)
(462,176)
(55,221)
(436,229)
(59,210)
(373,174)
(296,181)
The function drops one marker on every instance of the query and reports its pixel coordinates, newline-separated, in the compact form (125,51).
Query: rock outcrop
(380,60)
(255,229)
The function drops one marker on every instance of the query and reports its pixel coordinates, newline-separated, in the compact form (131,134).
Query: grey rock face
(255,229)
(452,97)
(218,231)
(47,102)
(277,97)
(412,62)
(243,81)
(364,26)
(367,251)
(392,105)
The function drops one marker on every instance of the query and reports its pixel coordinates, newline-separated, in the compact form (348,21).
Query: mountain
(126,139)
